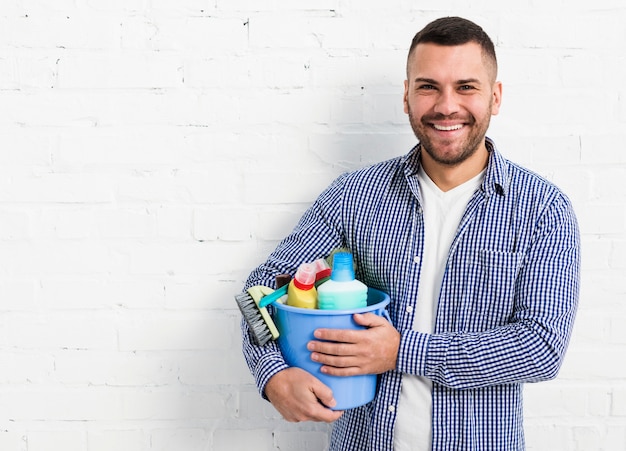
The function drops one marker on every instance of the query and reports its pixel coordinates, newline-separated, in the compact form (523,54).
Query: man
(479,256)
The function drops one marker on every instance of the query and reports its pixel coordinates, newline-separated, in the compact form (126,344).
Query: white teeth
(449,128)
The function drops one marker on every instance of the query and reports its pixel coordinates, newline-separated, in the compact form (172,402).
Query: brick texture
(153,152)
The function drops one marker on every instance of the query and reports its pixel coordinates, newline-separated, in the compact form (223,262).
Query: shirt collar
(496,179)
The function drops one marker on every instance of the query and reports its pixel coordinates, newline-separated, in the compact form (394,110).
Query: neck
(447,177)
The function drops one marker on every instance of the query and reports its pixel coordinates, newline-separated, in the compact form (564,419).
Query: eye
(426,87)
(466,88)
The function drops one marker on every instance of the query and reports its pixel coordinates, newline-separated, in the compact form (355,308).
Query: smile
(448,128)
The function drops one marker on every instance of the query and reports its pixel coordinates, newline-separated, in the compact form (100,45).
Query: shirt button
(416,259)
(409,309)
(391,408)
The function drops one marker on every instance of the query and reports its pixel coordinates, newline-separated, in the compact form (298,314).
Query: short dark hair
(452,31)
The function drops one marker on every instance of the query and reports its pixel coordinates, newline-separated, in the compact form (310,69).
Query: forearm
(524,351)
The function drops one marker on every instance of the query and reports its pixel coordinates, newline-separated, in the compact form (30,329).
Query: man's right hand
(299,396)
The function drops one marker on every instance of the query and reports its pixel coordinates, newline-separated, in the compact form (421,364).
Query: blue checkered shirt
(505,313)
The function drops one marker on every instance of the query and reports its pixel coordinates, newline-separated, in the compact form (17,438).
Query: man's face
(450,96)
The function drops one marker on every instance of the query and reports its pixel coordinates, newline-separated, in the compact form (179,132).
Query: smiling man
(479,256)
(450,94)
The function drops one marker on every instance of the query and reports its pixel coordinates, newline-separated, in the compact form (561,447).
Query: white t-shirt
(442,214)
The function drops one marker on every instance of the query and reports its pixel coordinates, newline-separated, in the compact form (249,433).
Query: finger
(337,335)
(339,371)
(334,361)
(369,319)
(324,394)
(331,348)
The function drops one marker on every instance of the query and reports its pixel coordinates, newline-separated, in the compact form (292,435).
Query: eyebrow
(430,81)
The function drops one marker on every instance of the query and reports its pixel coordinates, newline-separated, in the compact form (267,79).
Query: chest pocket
(494,296)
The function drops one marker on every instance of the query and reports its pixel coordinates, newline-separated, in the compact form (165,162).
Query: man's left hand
(344,352)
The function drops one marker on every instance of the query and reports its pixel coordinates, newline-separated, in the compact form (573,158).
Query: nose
(447,103)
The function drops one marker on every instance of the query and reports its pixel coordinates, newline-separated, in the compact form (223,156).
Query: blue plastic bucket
(296,326)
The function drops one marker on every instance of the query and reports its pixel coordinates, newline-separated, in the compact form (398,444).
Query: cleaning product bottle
(322,271)
(301,291)
(342,291)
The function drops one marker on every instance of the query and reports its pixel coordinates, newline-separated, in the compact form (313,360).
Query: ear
(497,98)
(406,96)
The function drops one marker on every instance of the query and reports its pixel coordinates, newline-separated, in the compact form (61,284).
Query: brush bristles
(259,329)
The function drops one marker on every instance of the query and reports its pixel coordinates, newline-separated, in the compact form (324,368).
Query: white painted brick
(276,5)
(25,150)
(97,150)
(125,223)
(173,404)
(110,439)
(283,31)
(178,331)
(540,65)
(599,400)
(618,406)
(52,403)
(615,437)
(202,369)
(540,437)
(586,437)
(36,71)
(201,35)
(65,440)
(17,294)
(597,253)
(584,362)
(182,7)
(276,224)
(177,258)
(179,438)
(91,292)
(617,257)
(257,439)
(603,219)
(14,441)
(284,187)
(93,108)
(221,72)
(251,405)
(25,368)
(57,188)
(61,258)
(15,225)
(607,184)
(68,223)
(227,224)
(300,440)
(113,368)
(592,327)
(56,331)
(197,292)
(61,30)
(137,32)
(617,330)
(552,399)
(174,222)
(140,70)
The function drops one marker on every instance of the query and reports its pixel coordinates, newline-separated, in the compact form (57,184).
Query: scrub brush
(252,306)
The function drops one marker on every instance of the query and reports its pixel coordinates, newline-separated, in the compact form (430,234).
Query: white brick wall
(153,152)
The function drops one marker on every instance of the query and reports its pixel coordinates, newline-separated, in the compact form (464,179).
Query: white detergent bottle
(342,291)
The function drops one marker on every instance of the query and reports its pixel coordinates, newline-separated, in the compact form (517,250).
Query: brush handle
(274,296)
